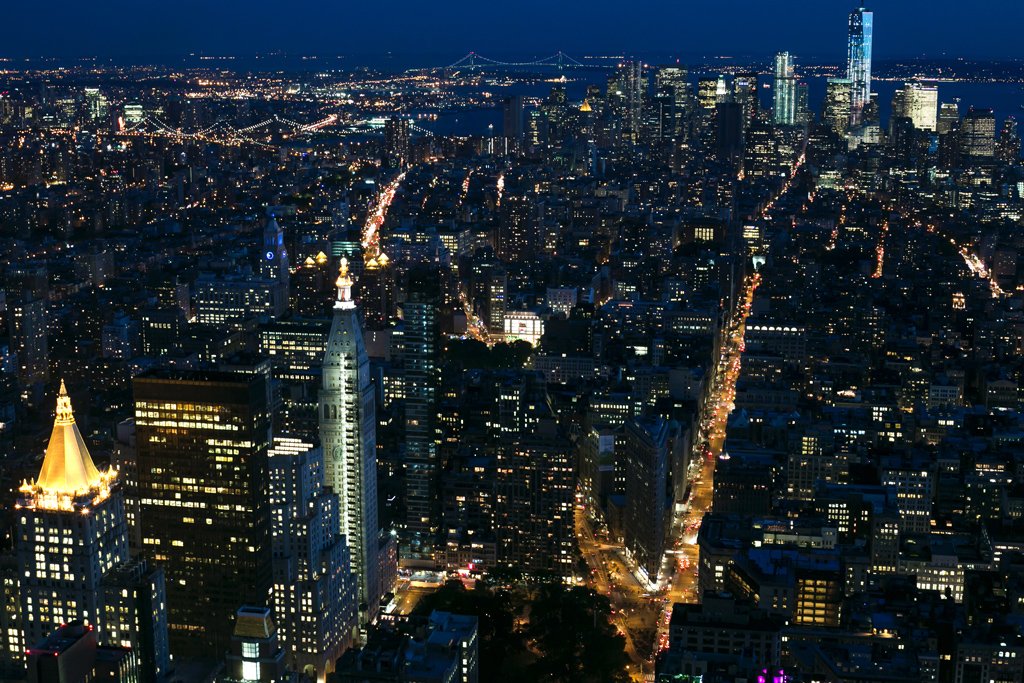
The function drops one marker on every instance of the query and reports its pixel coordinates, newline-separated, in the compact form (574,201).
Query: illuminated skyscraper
(348,424)
(488,292)
(858,65)
(673,82)
(978,135)
(784,100)
(315,592)
(949,117)
(497,292)
(803,111)
(761,151)
(918,102)
(721,90)
(534,492)
(135,615)
(232,299)
(72,554)
(518,235)
(744,92)
(837,105)
(295,348)
(72,505)
(631,87)
(1008,144)
(97,102)
(707,93)
(397,150)
(202,479)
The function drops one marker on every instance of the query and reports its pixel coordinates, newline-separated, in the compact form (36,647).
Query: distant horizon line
(155,59)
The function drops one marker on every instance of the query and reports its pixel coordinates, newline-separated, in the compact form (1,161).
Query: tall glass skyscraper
(784,100)
(858,66)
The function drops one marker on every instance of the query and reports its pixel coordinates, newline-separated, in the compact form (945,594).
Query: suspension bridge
(226,133)
(474,61)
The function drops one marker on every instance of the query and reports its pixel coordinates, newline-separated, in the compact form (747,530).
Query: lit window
(251,671)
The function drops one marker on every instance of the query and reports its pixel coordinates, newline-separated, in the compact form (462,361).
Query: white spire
(344,285)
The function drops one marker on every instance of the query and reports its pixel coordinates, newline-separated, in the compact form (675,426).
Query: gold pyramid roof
(67,468)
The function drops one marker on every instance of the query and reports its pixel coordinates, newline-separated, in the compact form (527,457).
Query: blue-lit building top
(858,68)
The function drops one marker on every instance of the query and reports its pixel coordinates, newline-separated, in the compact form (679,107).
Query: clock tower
(273,261)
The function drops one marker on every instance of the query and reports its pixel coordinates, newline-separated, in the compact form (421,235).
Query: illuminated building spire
(72,543)
(348,436)
(68,467)
(68,472)
(344,285)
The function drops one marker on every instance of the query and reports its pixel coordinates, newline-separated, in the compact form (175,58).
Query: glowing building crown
(344,285)
(68,471)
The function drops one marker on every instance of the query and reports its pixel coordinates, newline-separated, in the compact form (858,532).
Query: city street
(637,611)
(407,597)
(684,583)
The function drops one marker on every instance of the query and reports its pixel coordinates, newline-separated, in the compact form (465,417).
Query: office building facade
(202,440)
(315,599)
(421,374)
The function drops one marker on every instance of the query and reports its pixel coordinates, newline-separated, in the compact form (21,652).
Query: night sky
(809,28)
